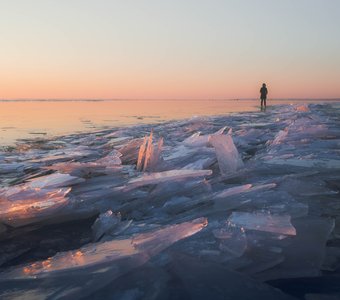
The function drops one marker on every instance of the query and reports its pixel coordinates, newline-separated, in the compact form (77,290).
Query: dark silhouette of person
(263,92)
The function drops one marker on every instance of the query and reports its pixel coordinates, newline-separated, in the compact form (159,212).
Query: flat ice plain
(244,206)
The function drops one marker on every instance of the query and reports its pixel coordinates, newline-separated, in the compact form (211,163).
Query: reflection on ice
(149,155)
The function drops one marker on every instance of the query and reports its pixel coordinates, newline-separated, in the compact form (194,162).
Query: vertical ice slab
(148,151)
(198,140)
(228,157)
(156,155)
(141,154)
(148,155)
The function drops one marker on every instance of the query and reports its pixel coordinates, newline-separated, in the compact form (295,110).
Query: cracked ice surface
(269,188)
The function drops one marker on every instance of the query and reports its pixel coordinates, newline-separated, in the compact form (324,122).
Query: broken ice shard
(156,156)
(77,273)
(228,157)
(307,163)
(148,155)
(11,168)
(200,164)
(232,191)
(306,251)
(279,224)
(154,178)
(105,223)
(280,137)
(232,239)
(112,159)
(180,204)
(33,205)
(54,181)
(198,140)
(148,151)
(141,154)
(130,151)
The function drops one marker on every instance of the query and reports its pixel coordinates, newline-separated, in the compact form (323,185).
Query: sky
(178,49)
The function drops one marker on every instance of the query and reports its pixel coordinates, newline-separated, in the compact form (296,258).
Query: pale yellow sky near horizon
(151,49)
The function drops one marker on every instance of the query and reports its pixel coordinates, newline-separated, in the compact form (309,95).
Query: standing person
(263,92)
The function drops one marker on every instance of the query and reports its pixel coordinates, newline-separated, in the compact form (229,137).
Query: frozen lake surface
(238,206)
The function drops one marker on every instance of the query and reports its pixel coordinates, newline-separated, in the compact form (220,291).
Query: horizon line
(158,99)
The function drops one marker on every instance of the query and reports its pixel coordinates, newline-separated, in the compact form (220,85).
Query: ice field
(242,206)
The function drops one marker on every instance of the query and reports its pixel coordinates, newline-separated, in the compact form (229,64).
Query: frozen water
(155,158)
(53,181)
(306,252)
(232,239)
(280,137)
(228,157)
(130,150)
(271,213)
(178,205)
(112,159)
(208,280)
(155,178)
(148,152)
(31,205)
(200,164)
(11,167)
(198,140)
(149,156)
(307,163)
(141,154)
(279,224)
(105,223)
(331,260)
(75,274)
(233,191)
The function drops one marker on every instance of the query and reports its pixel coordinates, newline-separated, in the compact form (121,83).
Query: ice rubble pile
(82,215)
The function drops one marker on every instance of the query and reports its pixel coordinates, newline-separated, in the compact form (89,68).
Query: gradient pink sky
(169,49)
